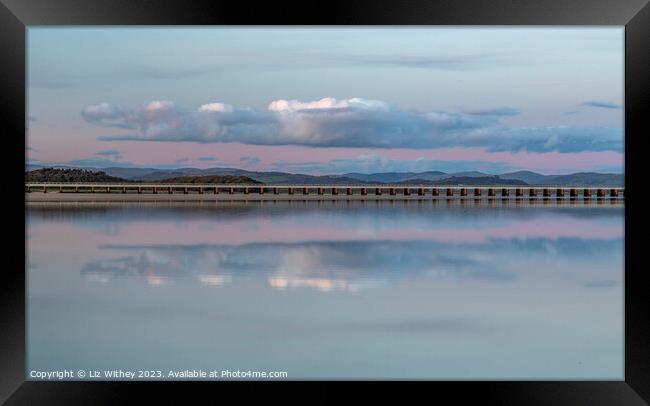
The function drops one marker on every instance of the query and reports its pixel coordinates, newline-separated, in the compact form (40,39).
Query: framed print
(340,192)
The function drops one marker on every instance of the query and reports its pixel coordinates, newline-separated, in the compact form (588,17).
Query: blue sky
(348,99)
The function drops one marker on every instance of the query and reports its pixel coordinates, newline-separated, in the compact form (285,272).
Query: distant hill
(280,178)
(395,177)
(413,177)
(283,178)
(587,179)
(222,180)
(69,175)
(471,174)
(574,179)
(468,180)
(526,176)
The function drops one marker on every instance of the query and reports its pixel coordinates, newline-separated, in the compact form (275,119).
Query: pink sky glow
(229,154)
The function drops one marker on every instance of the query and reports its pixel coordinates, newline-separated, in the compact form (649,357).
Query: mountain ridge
(277,177)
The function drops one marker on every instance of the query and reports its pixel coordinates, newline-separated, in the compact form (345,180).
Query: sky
(328,100)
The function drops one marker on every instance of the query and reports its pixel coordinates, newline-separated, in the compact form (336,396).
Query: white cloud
(327,103)
(216,107)
(353,122)
(159,106)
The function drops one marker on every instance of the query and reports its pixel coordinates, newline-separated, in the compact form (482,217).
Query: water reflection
(333,249)
(324,290)
(344,265)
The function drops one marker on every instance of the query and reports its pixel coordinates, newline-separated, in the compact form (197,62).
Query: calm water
(328,290)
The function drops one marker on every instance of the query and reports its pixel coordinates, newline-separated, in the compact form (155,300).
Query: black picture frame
(16,15)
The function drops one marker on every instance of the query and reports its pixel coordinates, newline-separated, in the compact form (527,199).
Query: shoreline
(56,197)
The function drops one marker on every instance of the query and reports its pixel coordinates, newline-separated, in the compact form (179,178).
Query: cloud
(441,62)
(251,160)
(602,104)
(96,162)
(545,139)
(49,78)
(601,284)
(216,107)
(376,163)
(500,111)
(168,72)
(108,115)
(327,104)
(208,158)
(108,155)
(55,82)
(353,122)
(109,152)
(62,79)
(164,121)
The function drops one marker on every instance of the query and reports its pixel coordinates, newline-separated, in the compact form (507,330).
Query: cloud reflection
(328,266)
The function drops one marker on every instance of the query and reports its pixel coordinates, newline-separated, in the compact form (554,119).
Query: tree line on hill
(64,175)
